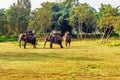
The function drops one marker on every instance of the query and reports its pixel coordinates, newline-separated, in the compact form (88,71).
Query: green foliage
(3,22)
(41,19)
(115,35)
(108,20)
(8,38)
(107,15)
(17,17)
(39,33)
(63,16)
(116,23)
(107,11)
(83,14)
(113,43)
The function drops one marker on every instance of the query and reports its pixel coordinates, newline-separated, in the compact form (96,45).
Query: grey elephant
(57,39)
(27,39)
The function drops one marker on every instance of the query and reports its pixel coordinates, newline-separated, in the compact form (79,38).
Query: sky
(36,3)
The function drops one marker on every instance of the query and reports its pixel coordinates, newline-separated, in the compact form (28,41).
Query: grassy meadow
(83,60)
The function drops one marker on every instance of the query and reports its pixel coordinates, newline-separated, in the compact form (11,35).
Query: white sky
(36,3)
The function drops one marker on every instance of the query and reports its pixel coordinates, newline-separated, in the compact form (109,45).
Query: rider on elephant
(54,34)
(29,34)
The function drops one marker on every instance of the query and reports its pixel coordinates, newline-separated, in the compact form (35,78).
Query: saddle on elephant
(28,32)
(29,35)
(54,34)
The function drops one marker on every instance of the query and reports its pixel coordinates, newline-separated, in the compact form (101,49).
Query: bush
(115,35)
(8,38)
(112,44)
(39,34)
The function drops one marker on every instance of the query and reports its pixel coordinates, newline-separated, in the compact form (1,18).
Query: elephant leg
(34,45)
(51,44)
(61,46)
(69,44)
(20,44)
(25,44)
(66,43)
(45,43)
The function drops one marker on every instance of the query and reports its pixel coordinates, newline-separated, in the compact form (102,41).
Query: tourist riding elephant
(57,39)
(27,38)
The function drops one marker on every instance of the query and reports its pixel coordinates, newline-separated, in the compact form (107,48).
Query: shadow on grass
(42,57)
(82,59)
(29,56)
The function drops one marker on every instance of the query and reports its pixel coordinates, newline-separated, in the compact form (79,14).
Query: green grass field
(84,60)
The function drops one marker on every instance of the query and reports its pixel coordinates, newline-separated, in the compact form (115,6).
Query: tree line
(79,19)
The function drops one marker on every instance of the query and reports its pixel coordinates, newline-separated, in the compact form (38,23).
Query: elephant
(57,39)
(27,39)
(67,38)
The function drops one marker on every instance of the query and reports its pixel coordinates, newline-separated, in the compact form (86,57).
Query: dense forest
(79,19)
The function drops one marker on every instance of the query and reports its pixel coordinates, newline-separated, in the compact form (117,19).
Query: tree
(116,24)
(65,14)
(82,14)
(42,18)
(106,21)
(90,21)
(12,19)
(61,13)
(3,22)
(56,13)
(18,16)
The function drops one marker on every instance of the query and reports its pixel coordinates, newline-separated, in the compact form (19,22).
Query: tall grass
(84,60)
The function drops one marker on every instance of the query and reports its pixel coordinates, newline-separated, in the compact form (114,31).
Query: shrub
(112,44)
(8,38)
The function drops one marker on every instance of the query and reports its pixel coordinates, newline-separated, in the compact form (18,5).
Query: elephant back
(30,38)
(58,38)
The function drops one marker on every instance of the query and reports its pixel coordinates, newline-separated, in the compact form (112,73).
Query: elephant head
(21,37)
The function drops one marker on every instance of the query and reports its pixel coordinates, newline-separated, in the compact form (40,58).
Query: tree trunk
(108,36)
(95,33)
(86,33)
(80,31)
(104,35)
(78,34)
